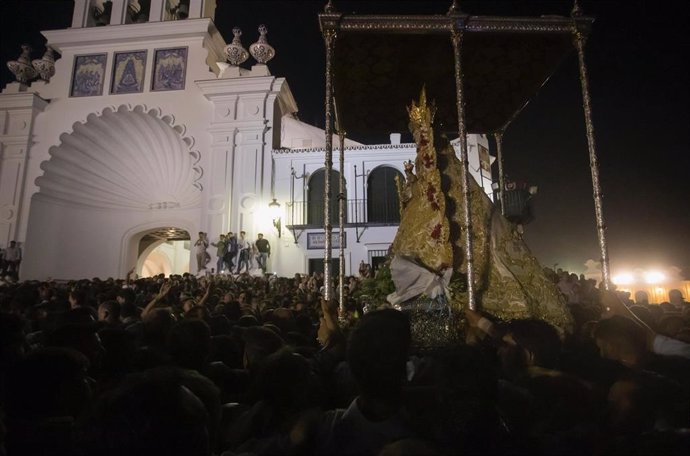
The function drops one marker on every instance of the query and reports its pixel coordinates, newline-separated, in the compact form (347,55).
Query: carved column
(118,13)
(156,10)
(79,13)
(17,114)
(240,164)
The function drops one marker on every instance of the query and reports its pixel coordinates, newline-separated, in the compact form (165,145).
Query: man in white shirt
(244,247)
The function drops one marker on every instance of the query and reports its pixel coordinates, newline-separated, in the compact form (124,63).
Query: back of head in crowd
(539,341)
(151,413)
(377,353)
(620,339)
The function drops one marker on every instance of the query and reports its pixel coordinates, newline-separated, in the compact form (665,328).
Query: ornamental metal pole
(579,40)
(341,222)
(329,38)
(498,136)
(456,38)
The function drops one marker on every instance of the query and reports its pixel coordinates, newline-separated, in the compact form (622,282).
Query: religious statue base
(433,324)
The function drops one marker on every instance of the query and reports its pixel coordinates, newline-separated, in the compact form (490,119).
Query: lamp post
(274,208)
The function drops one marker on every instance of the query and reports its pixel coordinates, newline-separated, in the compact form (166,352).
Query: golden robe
(509,281)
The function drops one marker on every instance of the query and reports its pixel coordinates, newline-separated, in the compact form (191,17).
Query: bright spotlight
(624,278)
(653,277)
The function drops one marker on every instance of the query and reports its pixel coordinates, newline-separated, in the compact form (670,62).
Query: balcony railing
(357,212)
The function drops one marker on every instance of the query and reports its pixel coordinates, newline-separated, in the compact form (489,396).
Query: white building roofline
(132,33)
(286,151)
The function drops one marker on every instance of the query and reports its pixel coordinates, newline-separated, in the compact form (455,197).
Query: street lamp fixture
(274,208)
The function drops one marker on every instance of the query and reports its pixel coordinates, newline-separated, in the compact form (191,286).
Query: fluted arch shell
(124,159)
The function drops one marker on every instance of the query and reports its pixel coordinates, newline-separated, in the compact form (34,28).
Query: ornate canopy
(379,62)
(480,70)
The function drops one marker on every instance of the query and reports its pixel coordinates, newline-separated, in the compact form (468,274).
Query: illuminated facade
(145,135)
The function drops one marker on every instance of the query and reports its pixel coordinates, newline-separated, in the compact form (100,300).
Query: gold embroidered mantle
(509,281)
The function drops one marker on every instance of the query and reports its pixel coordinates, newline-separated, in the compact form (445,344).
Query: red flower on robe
(436,232)
(428,160)
(431,197)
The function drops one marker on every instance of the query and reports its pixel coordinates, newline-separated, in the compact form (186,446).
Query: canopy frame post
(579,40)
(456,38)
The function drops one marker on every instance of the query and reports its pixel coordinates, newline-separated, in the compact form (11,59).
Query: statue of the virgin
(429,268)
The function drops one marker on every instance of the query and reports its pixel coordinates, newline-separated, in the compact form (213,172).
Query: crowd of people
(233,253)
(225,365)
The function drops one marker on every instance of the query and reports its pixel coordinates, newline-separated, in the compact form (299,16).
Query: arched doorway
(165,251)
(102,187)
(382,196)
(315,197)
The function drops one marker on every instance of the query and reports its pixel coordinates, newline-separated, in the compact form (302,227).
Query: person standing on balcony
(245,249)
(221,249)
(230,251)
(200,246)
(264,251)
(13,256)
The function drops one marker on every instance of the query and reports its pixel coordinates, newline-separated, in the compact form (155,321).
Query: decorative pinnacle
(576,11)
(261,50)
(329,8)
(454,8)
(45,66)
(422,113)
(21,68)
(235,52)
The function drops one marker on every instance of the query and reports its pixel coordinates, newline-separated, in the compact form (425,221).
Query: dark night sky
(640,87)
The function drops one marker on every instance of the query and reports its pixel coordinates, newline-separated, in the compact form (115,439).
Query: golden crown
(421,113)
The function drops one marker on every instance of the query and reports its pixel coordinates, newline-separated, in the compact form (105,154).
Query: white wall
(74,242)
(294,255)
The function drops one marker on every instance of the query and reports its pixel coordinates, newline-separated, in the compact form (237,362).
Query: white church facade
(145,136)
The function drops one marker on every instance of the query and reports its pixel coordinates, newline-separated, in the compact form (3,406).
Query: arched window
(382,196)
(315,197)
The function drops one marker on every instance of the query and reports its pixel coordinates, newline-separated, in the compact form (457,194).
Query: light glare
(624,278)
(653,277)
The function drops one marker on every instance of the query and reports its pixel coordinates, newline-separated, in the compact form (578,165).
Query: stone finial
(261,50)
(45,66)
(454,8)
(21,68)
(576,11)
(235,53)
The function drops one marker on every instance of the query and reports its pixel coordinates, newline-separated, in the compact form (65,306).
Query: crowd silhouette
(243,365)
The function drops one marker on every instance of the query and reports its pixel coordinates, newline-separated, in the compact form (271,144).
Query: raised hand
(165,289)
